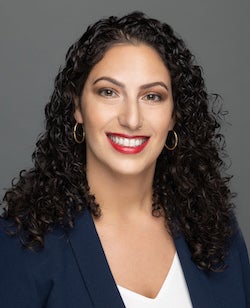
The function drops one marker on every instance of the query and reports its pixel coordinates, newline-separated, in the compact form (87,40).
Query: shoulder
(238,251)
(12,246)
(234,281)
(26,271)
(228,288)
(47,278)
(57,243)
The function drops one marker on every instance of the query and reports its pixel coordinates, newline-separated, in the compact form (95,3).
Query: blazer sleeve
(17,285)
(37,279)
(244,258)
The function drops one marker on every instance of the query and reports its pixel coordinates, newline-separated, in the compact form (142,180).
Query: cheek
(91,124)
(162,125)
(97,118)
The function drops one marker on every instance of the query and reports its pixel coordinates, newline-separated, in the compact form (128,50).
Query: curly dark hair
(189,183)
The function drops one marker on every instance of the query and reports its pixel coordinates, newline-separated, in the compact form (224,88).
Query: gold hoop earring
(75,134)
(175,142)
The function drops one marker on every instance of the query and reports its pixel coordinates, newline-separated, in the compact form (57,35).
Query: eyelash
(153,97)
(106,92)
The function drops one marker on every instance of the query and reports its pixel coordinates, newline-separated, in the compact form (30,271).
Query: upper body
(130,135)
(72,271)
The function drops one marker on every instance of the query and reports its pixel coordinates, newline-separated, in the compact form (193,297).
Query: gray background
(35,35)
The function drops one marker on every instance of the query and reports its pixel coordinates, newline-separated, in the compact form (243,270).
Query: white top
(173,293)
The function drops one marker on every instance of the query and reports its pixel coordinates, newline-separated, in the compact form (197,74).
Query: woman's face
(126,107)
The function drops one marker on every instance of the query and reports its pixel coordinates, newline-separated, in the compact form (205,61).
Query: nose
(130,115)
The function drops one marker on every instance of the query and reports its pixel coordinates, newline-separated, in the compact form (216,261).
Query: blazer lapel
(93,265)
(197,280)
(98,279)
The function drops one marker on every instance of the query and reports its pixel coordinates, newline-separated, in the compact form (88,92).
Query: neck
(121,195)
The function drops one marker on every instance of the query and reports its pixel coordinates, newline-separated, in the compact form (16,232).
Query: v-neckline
(99,281)
(163,286)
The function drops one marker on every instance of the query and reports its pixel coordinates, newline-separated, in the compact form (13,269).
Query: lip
(124,149)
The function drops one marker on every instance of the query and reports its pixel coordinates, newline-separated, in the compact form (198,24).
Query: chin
(132,169)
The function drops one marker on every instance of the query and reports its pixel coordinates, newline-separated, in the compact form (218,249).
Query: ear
(173,121)
(78,110)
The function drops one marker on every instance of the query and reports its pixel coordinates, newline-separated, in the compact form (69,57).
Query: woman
(126,204)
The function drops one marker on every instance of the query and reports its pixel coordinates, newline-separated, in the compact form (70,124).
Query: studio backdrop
(35,35)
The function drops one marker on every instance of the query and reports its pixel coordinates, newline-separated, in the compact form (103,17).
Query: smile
(127,144)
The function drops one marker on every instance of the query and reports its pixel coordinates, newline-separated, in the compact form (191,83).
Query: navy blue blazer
(72,272)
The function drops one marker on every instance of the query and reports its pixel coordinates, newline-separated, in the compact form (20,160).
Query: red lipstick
(127,144)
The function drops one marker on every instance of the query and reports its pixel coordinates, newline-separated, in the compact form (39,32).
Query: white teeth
(137,142)
(127,142)
(132,142)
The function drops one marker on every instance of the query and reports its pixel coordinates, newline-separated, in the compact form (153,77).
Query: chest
(77,273)
(139,258)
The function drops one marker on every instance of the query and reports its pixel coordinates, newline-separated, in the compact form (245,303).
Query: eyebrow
(120,84)
(112,80)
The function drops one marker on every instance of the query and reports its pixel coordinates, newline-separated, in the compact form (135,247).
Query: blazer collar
(197,280)
(93,265)
(97,276)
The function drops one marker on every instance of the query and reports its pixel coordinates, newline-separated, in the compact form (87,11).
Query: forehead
(131,61)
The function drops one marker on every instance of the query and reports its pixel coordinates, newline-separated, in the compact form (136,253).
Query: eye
(107,93)
(153,97)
